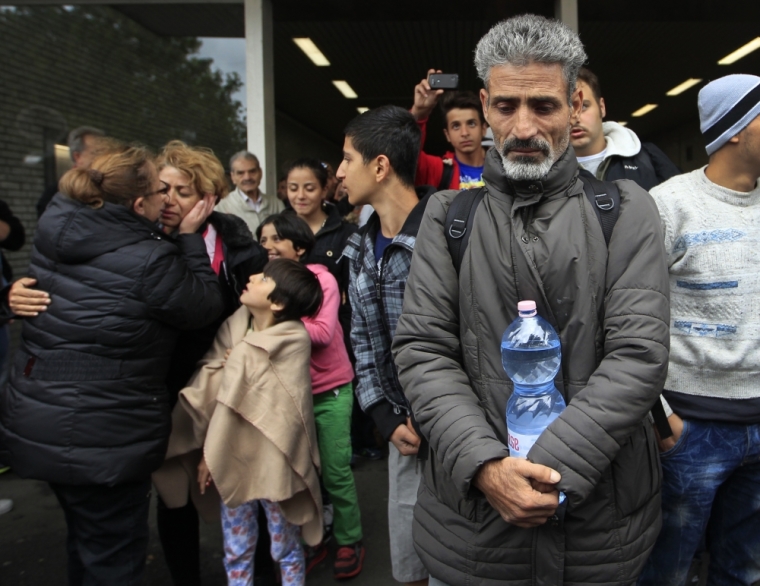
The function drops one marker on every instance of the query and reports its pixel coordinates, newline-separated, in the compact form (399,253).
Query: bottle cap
(527,308)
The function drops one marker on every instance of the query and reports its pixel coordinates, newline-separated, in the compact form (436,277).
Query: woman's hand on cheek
(198,215)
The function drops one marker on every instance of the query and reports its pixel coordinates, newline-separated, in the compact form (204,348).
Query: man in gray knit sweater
(711,464)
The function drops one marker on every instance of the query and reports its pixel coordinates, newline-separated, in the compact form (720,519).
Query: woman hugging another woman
(87,408)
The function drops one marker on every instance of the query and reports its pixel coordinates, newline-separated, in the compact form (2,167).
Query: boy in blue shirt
(465,130)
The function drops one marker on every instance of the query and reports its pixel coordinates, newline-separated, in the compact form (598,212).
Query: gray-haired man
(247,201)
(82,149)
(482,517)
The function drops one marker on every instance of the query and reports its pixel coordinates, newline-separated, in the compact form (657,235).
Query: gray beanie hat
(726,106)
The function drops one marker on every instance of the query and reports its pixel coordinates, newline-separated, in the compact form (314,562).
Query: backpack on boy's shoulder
(605,199)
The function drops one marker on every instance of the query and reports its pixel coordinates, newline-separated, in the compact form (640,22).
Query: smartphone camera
(443,81)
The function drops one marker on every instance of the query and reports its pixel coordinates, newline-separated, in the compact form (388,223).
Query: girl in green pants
(285,235)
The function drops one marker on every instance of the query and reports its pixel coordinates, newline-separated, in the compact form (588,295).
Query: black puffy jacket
(87,401)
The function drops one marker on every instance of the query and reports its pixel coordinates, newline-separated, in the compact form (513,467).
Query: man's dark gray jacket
(539,240)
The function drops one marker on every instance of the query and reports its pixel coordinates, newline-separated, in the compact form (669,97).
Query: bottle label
(521,443)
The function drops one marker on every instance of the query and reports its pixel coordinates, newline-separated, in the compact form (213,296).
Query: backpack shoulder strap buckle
(458,228)
(604,197)
(459,218)
(604,202)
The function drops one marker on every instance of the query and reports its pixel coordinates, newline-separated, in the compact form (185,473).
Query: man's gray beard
(526,168)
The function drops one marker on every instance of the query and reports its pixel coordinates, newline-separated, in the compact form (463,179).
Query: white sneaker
(5,506)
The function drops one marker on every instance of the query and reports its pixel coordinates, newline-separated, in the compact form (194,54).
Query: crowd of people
(236,350)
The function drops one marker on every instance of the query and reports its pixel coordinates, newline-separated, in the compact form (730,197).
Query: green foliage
(97,67)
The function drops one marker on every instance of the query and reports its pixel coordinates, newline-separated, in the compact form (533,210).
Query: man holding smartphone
(465,129)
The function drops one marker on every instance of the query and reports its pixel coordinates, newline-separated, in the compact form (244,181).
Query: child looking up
(286,235)
(249,407)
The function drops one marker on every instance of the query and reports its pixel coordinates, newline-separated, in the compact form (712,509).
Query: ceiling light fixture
(622,123)
(740,52)
(362,110)
(345,89)
(644,110)
(312,51)
(681,88)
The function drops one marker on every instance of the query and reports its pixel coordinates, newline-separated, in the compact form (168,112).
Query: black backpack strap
(605,199)
(459,222)
(448,171)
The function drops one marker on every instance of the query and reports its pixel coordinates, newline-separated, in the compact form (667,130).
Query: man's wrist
(480,480)
(420,114)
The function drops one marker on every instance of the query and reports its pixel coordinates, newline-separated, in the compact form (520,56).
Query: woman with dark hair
(287,236)
(87,408)
(307,190)
(190,174)
(307,183)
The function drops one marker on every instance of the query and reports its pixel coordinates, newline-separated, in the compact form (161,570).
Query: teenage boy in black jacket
(610,151)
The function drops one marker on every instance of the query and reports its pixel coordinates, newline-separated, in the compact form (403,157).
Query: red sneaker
(314,555)
(348,561)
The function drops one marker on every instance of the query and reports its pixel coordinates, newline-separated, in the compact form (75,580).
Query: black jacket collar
(334,219)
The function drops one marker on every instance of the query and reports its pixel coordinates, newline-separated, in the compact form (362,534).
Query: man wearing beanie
(711,464)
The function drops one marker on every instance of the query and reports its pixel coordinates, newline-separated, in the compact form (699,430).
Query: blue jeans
(711,481)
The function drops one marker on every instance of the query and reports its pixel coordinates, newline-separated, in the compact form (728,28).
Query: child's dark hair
(296,288)
(317,167)
(462,100)
(289,226)
(389,131)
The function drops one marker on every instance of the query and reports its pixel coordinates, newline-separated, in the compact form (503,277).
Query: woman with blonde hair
(87,408)
(190,174)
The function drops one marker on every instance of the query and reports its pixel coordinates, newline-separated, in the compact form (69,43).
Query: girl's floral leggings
(241,531)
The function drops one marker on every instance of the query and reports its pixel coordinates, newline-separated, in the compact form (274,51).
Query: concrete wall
(67,67)
(63,68)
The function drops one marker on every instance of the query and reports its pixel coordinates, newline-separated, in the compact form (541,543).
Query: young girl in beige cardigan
(249,407)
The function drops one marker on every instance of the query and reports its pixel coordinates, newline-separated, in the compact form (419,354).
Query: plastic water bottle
(531,356)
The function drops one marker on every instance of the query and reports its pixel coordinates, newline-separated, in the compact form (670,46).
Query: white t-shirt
(210,239)
(592,162)
(367,211)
